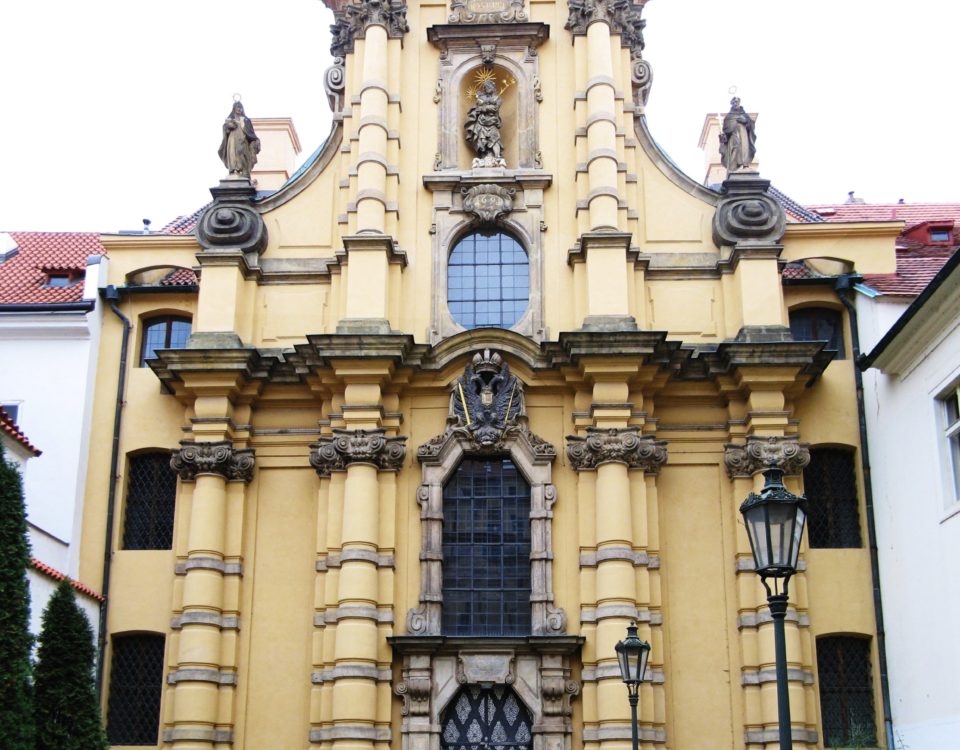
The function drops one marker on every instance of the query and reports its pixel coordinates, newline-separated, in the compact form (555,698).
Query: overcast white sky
(111,109)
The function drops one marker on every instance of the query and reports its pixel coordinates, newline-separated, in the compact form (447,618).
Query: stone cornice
(221,458)
(345,447)
(760,453)
(616,445)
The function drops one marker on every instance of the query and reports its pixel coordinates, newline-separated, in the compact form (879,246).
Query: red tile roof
(912,276)
(185,224)
(10,429)
(56,575)
(911,213)
(23,276)
(180,277)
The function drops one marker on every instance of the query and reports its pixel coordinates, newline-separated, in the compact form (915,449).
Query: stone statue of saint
(483,127)
(240,145)
(738,139)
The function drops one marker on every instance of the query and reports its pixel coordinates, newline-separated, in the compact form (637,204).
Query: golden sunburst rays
(480,76)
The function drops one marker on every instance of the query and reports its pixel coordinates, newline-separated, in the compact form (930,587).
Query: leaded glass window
(830,484)
(136,685)
(819,324)
(151,502)
(163,333)
(486,550)
(846,691)
(488,281)
(486,719)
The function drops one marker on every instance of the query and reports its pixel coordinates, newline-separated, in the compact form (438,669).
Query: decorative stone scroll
(624,18)
(748,214)
(357,16)
(487,416)
(488,203)
(487,11)
(785,453)
(334,81)
(231,222)
(344,447)
(221,458)
(620,445)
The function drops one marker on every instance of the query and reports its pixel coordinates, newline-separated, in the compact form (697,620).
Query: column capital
(345,447)
(616,445)
(220,457)
(759,453)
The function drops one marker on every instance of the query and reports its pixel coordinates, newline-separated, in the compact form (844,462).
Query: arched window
(846,691)
(136,686)
(168,332)
(488,280)
(486,550)
(819,324)
(830,485)
(151,500)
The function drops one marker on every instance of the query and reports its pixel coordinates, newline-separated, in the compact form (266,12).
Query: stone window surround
(546,620)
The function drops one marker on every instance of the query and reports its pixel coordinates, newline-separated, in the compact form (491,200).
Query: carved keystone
(488,203)
(616,445)
(193,459)
(785,453)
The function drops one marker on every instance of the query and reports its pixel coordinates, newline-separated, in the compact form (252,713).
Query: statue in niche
(240,145)
(483,127)
(738,139)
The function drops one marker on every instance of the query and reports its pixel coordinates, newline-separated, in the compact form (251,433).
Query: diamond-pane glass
(486,719)
(488,281)
(136,684)
(151,501)
(846,691)
(163,333)
(819,324)
(486,550)
(830,484)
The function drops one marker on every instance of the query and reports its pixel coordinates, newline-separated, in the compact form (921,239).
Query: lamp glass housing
(632,653)
(775,519)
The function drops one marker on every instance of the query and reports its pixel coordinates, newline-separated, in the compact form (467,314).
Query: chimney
(279,147)
(715,173)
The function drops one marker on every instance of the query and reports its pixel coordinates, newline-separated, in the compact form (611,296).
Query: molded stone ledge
(224,622)
(351,732)
(611,671)
(638,559)
(762,617)
(351,670)
(202,675)
(606,611)
(334,614)
(763,676)
(196,734)
(209,563)
(623,733)
(765,736)
(336,560)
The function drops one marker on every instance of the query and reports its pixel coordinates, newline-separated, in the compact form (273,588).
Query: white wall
(42,588)
(918,533)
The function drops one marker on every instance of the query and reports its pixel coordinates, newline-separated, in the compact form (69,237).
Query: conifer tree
(16,707)
(66,711)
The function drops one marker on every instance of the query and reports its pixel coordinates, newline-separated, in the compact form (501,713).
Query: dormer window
(940,235)
(57,278)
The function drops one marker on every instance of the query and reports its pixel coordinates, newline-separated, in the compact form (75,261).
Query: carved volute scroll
(344,447)
(759,453)
(487,417)
(626,446)
(221,458)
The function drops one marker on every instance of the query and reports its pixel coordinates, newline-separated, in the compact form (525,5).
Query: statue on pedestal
(738,139)
(240,145)
(483,127)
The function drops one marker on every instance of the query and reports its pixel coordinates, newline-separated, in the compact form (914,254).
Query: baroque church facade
(484,383)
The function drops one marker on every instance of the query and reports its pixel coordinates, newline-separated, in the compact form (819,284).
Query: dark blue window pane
(486,550)
(163,333)
(488,281)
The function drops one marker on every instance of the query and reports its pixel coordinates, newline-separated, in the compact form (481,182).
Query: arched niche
(508,89)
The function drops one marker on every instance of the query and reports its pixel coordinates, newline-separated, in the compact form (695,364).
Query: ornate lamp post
(632,654)
(774,521)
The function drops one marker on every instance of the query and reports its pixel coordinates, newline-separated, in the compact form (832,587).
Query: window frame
(150,506)
(836,642)
(949,439)
(167,320)
(475,300)
(820,314)
(131,698)
(831,508)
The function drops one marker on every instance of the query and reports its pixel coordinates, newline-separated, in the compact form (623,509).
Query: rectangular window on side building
(951,437)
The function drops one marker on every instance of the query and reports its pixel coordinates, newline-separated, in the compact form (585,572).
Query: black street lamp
(774,521)
(632,653)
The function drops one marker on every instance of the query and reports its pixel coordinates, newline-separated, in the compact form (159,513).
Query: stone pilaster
(353,660)
(619,498)
(205,676)
(744,464)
